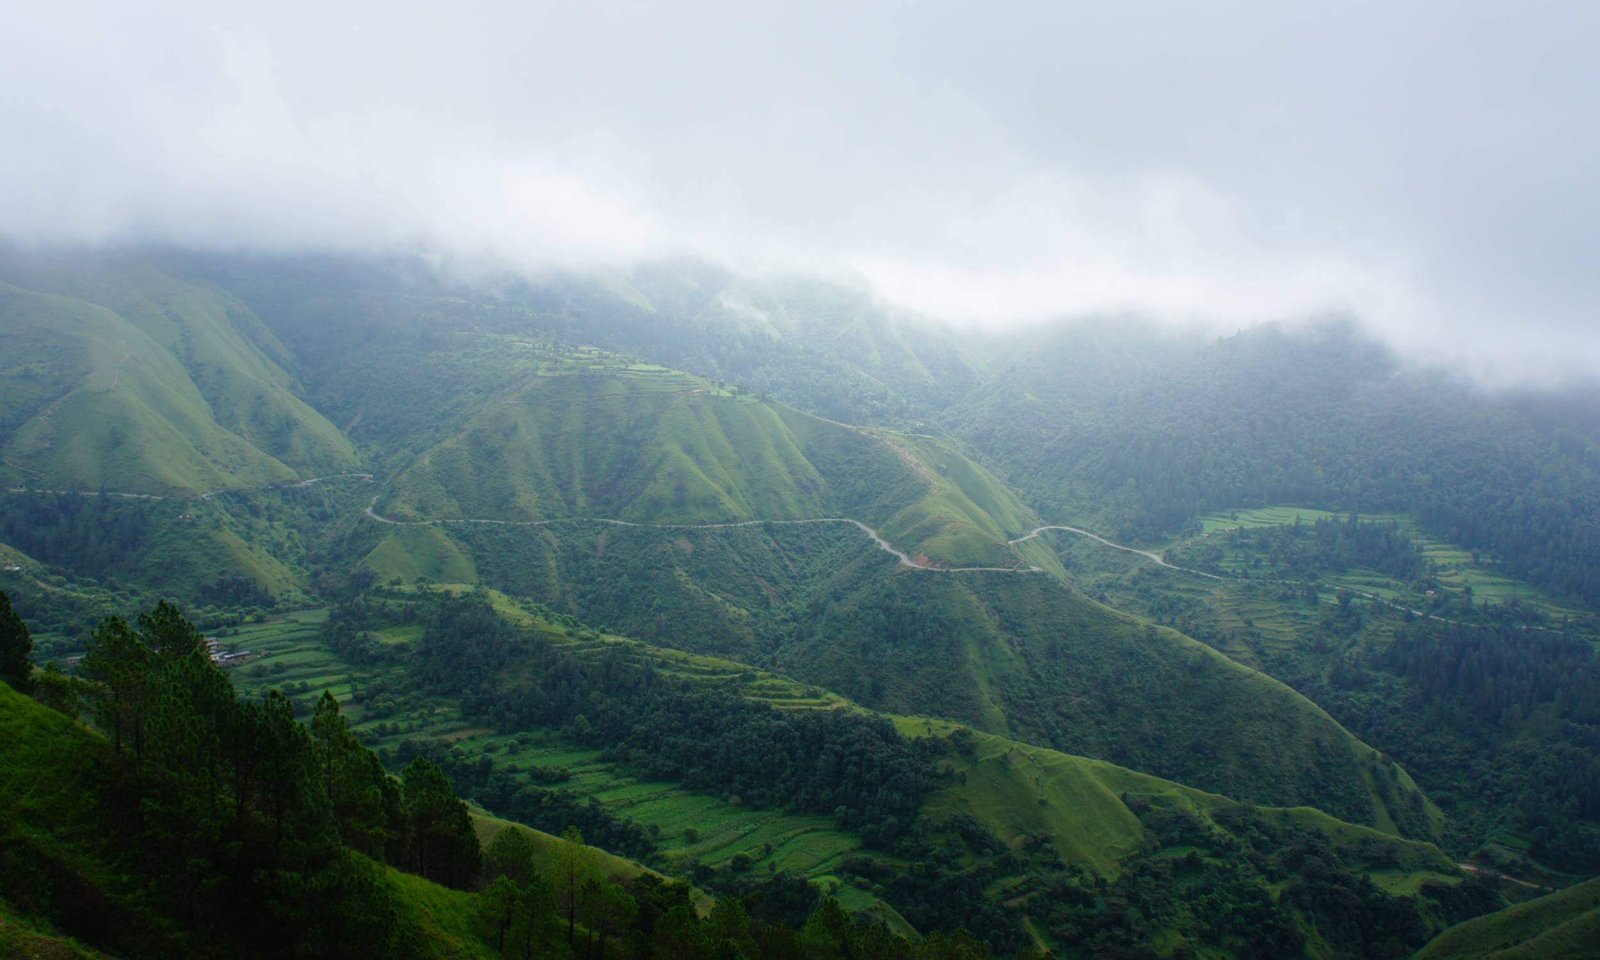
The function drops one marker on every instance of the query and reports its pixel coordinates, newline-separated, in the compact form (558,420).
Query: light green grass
(546,851)
(130,417)
(1020,791)
(593,436)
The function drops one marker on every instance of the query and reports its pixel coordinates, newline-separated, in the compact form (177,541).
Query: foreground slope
(1561,926)
(61,866)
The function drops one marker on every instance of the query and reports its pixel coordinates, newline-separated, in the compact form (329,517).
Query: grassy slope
(630,444)
(1016,789)
(593,436)
(102,404)
(546,850)
(234,360)
(1561,926)
(1031,658)
(22,938)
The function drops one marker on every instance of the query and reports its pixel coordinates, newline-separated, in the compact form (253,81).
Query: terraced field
(1456,567)
(693,828)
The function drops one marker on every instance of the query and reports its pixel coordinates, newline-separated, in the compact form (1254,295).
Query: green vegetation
(22,937)
(238,366)
(16,643)
(1561,926)
(1027,657)
(106,406)
(1486,702)
(214,826)
(590,436)
(679,801)
(202,428)
(1138,434)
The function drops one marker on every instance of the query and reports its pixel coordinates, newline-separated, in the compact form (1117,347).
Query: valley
(837,606)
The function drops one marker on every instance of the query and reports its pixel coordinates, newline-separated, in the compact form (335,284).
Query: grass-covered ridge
(589,435)
(93,401)
(1560,926)
(237,364)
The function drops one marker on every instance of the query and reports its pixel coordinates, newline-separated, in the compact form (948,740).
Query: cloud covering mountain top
(1429,167)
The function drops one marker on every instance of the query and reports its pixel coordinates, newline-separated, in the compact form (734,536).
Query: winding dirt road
(905,559)
(1155,557)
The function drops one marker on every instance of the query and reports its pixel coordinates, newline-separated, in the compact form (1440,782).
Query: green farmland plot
(1454,567)
(692,828)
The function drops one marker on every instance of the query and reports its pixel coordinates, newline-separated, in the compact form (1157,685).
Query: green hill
(235,362)
(1560,926)
(1026,656)
(593,436)
(98,403)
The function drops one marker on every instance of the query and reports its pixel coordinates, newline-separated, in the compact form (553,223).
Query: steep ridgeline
(92,401)
(129,378)
(135,409)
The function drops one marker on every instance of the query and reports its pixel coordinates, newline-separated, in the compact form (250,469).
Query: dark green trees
(248,823)
(15,644)
(366,800)
(517,908)
(440,843)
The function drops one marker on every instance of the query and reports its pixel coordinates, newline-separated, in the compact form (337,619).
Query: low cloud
(1429,168)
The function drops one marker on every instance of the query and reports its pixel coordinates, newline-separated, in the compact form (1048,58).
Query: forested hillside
(1143,434)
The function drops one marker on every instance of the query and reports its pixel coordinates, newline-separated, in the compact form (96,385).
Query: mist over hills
(513,506)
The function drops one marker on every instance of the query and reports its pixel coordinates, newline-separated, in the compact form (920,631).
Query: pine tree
(121,666)
(15,645)
(442,844)
(572,856)
(366,800)
(511,855)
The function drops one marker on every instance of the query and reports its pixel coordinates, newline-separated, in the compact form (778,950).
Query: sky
(1430,169)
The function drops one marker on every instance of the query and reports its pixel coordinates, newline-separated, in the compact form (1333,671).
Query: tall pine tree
(15,645)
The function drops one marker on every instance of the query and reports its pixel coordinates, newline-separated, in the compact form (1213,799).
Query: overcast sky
(1431,168)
